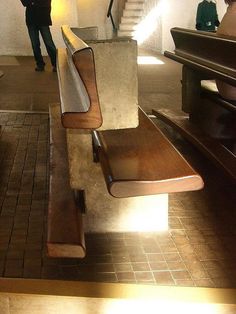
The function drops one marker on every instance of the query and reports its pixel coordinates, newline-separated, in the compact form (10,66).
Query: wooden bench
(65,237)
(210,123)
(161,168)
(136,163)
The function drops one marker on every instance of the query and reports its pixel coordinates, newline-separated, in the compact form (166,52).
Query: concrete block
(116,71)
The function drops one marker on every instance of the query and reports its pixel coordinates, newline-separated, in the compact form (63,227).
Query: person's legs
(49,44)
(35,42)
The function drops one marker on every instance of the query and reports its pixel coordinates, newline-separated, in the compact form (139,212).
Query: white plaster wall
(152,15)
(182,13)
(14,37)
(94,13)
(13,33)
(63,12)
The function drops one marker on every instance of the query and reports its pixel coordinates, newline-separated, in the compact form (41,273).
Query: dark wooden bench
(135,161)
(1,74)
(161,168)
(210,123)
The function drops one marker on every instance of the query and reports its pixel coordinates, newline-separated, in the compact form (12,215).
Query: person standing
(207,17)
(38,20)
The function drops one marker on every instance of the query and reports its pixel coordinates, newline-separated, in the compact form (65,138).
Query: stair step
(128,26)
(131,20)
(133,13)
(135,1)
(122,33)
(132,16)
(134,6)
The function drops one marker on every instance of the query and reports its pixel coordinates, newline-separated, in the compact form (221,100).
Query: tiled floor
(199,248)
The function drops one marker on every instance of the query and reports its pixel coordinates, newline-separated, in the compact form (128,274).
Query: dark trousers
(48,41)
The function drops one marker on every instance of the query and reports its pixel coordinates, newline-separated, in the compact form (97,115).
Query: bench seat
(142,161)
(65,237)
(212,148)
(210,125)
(209,90)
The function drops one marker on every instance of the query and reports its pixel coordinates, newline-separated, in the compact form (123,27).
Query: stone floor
(197,250)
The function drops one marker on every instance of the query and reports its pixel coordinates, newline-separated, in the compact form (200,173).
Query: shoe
(39,69)
(54,69)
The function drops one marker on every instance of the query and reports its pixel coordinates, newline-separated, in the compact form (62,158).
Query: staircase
(132,15)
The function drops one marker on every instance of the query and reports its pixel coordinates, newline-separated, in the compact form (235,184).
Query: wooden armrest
(202,68)
(142,161)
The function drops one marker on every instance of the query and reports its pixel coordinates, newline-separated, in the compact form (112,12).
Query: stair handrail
(109,14)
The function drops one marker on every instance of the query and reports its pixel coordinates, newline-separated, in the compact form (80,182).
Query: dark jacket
(207,18)
(38,12)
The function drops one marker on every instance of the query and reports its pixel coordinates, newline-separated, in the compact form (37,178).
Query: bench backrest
(210,52)
(103,77)
(77,82)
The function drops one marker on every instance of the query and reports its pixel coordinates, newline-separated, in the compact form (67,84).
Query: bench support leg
(191,86)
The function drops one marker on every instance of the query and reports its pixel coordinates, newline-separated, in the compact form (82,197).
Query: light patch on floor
(8,60)
(149,60)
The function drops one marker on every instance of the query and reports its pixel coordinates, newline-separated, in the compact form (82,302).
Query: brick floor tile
(197,250)
(144,277)
(207,283)
(106,267)
(155,257)
(123,267)
(185,282)
(162,265)
(15,254)
(121,258)
(172,257)
(105,277)
(138,257)
(176,265)
(181,274)
(125,276)
(13,268)
(2,265)
(140,266)
(51,272)
(163,278)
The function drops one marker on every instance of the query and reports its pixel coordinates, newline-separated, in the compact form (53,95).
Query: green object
(207,18)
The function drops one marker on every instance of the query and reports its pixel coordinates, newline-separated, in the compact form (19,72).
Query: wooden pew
(161,168)
(210,121)
(1,74)
(135,162)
